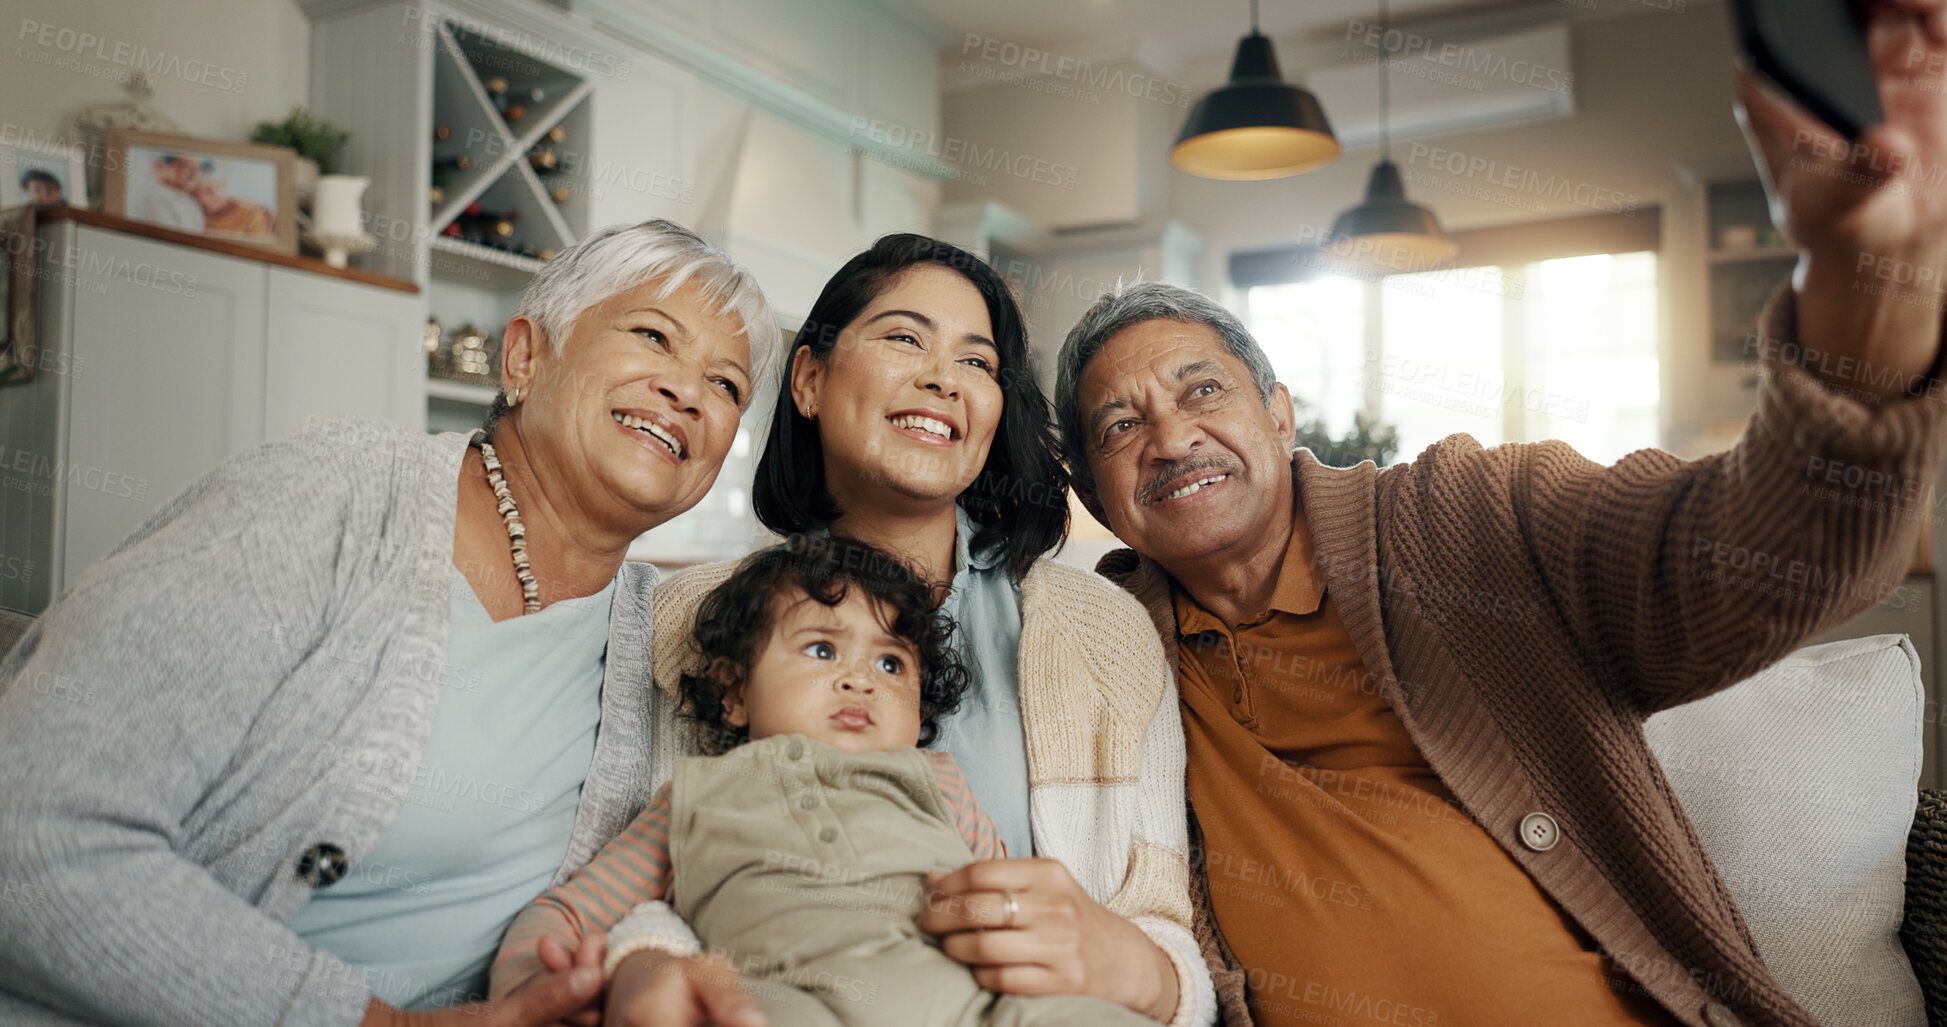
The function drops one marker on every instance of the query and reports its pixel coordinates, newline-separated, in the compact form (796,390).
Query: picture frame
(19,284)
(46,174)
(235,192)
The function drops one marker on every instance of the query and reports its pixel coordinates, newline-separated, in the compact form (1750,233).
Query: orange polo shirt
(1345,877)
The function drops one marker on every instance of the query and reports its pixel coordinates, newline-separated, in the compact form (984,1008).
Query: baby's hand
(589,952)
(656,989)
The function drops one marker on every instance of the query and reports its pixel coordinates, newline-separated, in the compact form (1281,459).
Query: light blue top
(486,821)
(984,735)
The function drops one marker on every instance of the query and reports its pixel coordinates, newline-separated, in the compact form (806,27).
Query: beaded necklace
(516,532)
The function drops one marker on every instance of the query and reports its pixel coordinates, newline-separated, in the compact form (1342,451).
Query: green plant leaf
(311,137)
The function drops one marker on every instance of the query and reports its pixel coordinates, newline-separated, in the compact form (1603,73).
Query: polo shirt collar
(1300,589)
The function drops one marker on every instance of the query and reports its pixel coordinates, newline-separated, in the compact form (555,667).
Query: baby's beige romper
(807,866)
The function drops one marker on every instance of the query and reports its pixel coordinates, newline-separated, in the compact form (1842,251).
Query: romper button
(794,750)
(809,802)
(828,835)
(322,865)
(1721,1016)
(1539,832)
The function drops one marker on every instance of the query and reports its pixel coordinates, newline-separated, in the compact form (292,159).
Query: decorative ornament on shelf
(89,125)
(336,219)
(317,143)
(471,357)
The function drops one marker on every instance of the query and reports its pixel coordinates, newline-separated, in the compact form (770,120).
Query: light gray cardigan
(253,673)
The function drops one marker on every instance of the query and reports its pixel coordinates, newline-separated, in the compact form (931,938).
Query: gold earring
(514,397)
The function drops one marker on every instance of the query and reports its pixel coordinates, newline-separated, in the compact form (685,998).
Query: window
(1563,348)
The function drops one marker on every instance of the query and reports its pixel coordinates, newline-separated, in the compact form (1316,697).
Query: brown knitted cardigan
(1525,610)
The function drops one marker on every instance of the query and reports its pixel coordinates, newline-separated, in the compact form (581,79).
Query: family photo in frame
(239,192)
(42,176)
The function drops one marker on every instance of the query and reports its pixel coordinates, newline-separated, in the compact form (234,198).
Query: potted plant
(1368,440)
(316,141)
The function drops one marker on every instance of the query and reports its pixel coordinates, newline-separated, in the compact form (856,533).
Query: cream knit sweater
(1105,757)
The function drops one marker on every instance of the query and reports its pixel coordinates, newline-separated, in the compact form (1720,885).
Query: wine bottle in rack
(488,228)
(512,103)
(442,133)
(448,165)
(543,158)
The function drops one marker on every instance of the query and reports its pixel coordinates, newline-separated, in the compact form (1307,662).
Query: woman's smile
(926,426)
(660,435)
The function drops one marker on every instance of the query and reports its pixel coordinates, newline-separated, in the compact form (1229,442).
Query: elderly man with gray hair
(1414,696)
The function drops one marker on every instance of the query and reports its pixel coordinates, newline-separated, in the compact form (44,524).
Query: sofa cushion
(1801,782)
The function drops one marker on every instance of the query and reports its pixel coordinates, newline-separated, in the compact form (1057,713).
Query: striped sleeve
(631,869)
(972,822)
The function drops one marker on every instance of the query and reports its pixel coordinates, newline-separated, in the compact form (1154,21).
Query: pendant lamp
(1257,126)
(1388,232)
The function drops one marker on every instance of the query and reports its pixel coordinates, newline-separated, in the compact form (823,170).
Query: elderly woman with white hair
(355,697)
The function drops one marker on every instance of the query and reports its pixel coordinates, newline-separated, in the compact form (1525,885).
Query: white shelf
(477,266)
(460,392)
(486,254)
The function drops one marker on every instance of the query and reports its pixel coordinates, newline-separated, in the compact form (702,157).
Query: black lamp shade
(1258,126)
(1388,232)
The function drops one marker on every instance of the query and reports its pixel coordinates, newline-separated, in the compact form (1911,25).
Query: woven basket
(1923,930)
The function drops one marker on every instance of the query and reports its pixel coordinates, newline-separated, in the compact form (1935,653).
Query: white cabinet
(158,361)
(168,346)
(340,349)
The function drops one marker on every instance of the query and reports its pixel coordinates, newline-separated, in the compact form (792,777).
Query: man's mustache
(1177,468)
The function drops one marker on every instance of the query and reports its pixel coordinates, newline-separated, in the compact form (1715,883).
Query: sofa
(1801,783)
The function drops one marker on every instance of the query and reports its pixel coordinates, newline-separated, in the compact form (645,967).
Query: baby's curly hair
(736,618)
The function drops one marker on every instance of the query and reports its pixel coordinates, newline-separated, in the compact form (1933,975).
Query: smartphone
(1815,50)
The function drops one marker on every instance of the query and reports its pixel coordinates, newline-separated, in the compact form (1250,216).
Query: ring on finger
(1011,907)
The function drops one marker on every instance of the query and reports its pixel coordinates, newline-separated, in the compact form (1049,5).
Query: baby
(802,851)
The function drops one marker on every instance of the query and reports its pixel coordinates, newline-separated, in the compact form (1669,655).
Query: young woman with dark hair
(1019,499)
(910,417)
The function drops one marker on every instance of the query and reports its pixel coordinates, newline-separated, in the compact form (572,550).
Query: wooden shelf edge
(486,254)
(116,223)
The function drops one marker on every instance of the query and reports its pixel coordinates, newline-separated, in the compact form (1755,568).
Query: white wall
(784,195)
(217,66)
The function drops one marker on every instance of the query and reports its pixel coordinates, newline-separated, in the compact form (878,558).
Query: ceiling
(1169,34)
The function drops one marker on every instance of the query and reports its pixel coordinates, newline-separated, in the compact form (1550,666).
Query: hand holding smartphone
(1815,50)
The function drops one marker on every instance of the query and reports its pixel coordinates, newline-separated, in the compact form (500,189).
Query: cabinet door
(169,344)
(341,349)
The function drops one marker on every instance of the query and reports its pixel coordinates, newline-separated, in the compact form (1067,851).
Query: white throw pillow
(1801,782)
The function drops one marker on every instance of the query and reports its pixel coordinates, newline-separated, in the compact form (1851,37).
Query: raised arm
(1671,579)
(1674,579)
